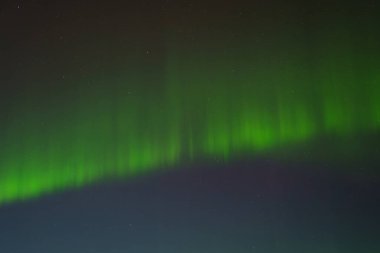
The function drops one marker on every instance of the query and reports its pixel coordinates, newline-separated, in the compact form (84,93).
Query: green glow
(207,104)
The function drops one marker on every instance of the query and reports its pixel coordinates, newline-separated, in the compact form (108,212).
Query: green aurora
(202,102)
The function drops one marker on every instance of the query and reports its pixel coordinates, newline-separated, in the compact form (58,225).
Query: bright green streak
(208,104)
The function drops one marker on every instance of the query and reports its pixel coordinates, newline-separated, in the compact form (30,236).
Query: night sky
(189,126)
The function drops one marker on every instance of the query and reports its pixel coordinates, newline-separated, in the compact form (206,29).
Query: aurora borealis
(101,93)
(192,100)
